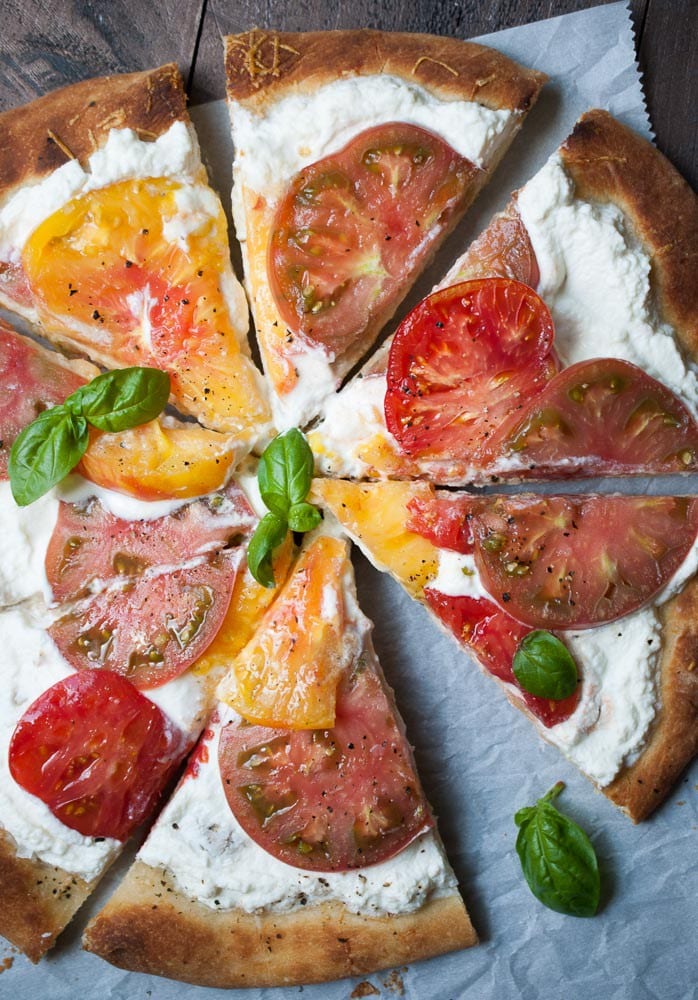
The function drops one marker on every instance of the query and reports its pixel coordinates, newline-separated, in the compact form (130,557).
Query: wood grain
(44,45)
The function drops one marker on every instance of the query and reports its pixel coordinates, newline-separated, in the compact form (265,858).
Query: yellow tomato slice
(287,675)
(157,461)
(376,514)
(134,273)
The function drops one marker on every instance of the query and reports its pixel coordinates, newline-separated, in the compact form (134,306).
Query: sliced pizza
(607,583)
(563,342)
(356,153)
(112,242)
(299,846)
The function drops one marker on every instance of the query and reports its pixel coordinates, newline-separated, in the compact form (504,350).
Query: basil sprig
(284,475)
(543,666)
(53,444)
(557,858)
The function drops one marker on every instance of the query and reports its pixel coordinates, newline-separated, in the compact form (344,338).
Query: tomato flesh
(503,250)
(494,636)
(604,416)
(577,562)
(463,363)
(444,521)
(96,751)
(327,799)
(355,227)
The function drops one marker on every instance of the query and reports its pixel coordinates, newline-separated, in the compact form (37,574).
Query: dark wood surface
(47,43)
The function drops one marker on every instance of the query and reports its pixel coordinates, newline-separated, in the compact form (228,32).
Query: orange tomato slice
(287,675)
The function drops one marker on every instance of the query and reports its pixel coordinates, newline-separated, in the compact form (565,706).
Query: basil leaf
(118,400)
(45,452)
(543,666)
(270,532)
(285,472)
(303,517)
(557,858)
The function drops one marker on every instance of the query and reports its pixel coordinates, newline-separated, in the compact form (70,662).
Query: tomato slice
(154,626)
(96,751)
(493,636)
(91,546)
(445,521)
(461,365)
(503,250)
(31,382)
(604,416)
(328,799)
(354,228)
(576,562)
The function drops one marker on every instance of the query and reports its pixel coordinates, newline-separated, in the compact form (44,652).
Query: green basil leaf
(543,666)
(285,472)
(45,452)
(303,517)
(557,858)
(118,400)
(269,533)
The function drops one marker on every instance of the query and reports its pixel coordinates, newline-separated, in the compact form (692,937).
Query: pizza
(356,153)
(612,576)
(585,361)
(291,854)
(114,245)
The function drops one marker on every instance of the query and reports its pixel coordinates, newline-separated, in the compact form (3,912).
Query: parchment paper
(479,759)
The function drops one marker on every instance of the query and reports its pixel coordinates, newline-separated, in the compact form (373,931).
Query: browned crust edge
(609,162)
(263,66)
(71,123)
(149,926)
(38,900)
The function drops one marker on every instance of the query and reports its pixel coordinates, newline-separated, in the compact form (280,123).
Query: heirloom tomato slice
(503,250)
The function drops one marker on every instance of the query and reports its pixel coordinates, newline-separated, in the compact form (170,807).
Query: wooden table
(44,45)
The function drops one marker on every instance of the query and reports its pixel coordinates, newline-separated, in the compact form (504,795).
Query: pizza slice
(299,846)
(563,342)
(114,245)
(356,153)
(600,590)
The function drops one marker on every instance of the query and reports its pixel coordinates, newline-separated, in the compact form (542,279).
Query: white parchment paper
(479,759)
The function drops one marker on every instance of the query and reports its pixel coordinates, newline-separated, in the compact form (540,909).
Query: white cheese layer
(303,128)
(199,841)
(619,666)
(24,536)
(595,278)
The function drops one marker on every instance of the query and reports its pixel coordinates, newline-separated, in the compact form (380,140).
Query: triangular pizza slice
(299,846)
(583,608)
(356,153)
(563,342)
(114,245)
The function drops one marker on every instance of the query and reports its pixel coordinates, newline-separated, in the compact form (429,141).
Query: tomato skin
(604,416)
(577,562)
(493,636)
(354,227)
(503,250)
(96,751)
(461,366)
(327,800)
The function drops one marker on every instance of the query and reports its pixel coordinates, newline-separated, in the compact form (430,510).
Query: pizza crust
(73,122)
(264,66)
(608,162)
(149,926)
(38,900)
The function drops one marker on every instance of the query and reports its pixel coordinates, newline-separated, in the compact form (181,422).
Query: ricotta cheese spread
(595,278)
(211,858)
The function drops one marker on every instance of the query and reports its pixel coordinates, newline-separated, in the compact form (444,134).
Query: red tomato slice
(154,626)
(14,285)
(327,800)
(463,363)
(444,521)
(90,544)
(355,227)
(31,382)
(503,250)
(604,416)
(493,636)
(96,751)
(576,562)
